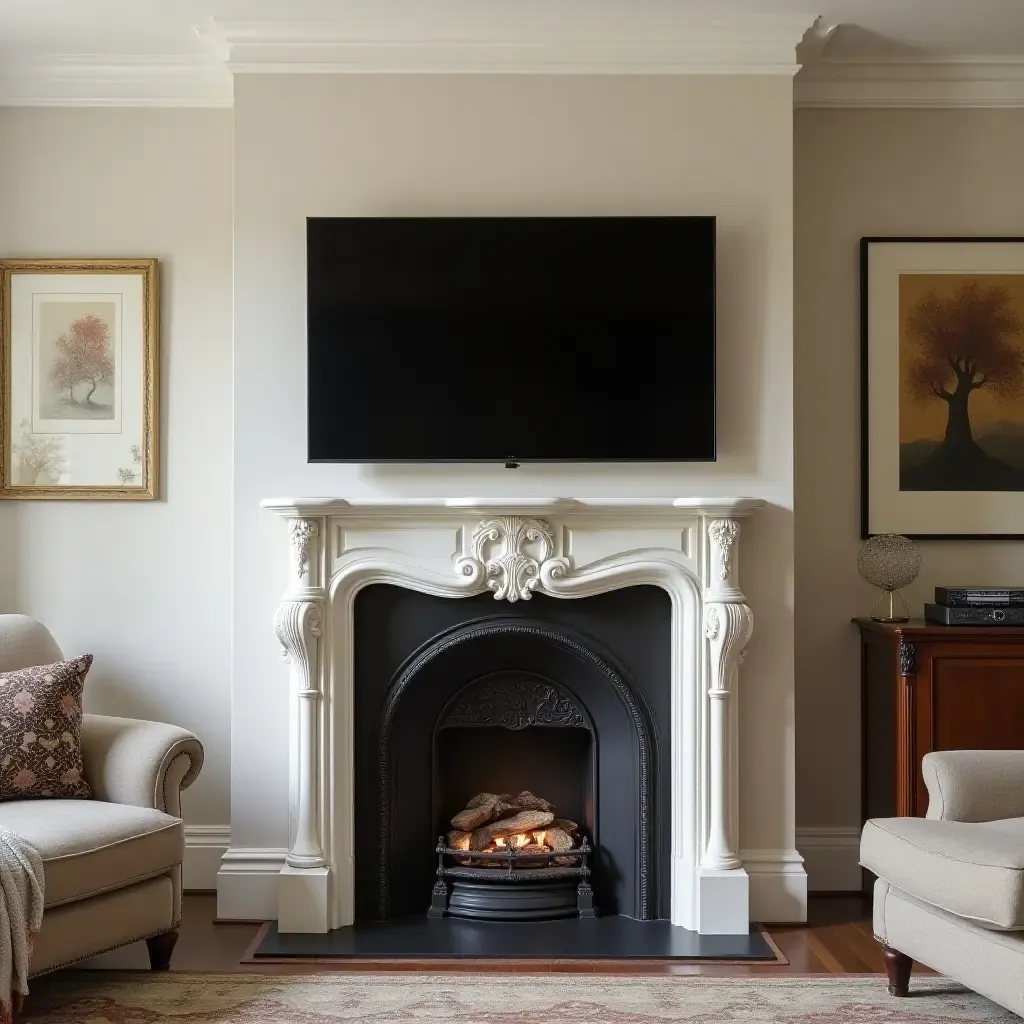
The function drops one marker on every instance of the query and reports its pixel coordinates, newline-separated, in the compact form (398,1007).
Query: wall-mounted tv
(527,339)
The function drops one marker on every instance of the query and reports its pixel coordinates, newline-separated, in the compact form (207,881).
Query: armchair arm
(974,785)
(144,764)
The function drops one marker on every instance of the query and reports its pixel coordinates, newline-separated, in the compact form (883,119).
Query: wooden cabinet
(927,687)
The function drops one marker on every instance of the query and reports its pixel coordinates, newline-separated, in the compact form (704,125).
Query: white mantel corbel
(515,549)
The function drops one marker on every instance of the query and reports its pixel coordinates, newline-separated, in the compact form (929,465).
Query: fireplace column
(303,884)
(728,623)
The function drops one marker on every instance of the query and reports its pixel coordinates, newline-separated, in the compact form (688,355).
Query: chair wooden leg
(898,967)
(160,949)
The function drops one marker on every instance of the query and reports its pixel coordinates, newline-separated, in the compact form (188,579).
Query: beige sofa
(112,865)
(950,887)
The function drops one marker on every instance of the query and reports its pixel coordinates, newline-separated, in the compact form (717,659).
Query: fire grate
(509,885)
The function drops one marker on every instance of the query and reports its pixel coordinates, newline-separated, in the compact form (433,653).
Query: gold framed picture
(79,358)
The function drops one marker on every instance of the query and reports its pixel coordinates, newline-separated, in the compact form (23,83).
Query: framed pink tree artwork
(80,388)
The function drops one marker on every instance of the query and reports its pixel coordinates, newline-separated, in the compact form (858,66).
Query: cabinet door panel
(978,703)
(969,699)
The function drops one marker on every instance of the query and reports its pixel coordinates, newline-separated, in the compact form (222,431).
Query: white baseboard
(247,883)
(831,856)
(204,847)
(778,885)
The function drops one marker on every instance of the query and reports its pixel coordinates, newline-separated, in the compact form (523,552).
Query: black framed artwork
(942,387)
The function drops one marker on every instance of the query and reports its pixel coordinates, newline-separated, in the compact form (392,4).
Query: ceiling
(861,52)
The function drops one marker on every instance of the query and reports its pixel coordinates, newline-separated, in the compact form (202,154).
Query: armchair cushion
(89,846)
(41,731)
(971,870)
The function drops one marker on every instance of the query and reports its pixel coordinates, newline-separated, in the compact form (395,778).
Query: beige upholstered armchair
(112,864)
(950,888)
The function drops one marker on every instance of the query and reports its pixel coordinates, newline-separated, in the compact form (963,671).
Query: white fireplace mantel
(564,548)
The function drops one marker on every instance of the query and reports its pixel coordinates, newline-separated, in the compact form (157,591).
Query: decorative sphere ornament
(889,561)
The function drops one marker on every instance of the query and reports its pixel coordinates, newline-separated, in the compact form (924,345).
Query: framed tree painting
(942,377)
(79,388)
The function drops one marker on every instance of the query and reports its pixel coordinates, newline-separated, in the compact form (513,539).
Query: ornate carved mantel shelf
(564,548)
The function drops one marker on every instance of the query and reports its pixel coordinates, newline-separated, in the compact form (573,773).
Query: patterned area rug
(101,997)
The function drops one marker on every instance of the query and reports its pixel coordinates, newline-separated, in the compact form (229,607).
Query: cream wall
(869,172)
(507,145)
(146,587)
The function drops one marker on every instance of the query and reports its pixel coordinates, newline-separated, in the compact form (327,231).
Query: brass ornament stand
(890,614)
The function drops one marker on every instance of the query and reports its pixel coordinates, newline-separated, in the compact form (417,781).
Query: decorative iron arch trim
(514,700)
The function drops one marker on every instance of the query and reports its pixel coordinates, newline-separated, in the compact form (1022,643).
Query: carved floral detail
(724,533)
(301,532)
(712,623)
(512,573)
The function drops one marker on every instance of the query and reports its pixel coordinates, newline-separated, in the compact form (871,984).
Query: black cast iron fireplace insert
(584,700)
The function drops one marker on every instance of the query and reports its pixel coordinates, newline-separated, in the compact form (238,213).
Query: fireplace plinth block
(303,899)
(724,901)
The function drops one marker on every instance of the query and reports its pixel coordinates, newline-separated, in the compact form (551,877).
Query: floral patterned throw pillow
(41,731)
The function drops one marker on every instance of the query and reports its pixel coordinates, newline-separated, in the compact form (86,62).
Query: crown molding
(545,44)
(963,82)
(122,80)
(505,43)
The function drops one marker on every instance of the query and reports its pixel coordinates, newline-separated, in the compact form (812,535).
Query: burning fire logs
(474,817)
(524,822)
(558,840)
(518,825)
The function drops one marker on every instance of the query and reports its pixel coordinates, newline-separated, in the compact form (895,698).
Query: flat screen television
(519,339)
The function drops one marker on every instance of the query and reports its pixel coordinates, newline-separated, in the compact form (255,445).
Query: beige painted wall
(143,586)
(506,145)
(869,172)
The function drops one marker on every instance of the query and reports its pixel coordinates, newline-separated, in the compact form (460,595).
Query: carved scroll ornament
(503,546)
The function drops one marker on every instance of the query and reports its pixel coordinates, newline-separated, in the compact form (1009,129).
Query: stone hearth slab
(608,938)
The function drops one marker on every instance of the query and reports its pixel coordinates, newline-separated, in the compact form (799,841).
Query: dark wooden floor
(836,940)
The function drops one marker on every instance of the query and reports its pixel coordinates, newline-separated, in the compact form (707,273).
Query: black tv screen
(499,339)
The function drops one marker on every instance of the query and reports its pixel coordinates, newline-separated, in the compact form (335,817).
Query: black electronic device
(970,597)
(1009,615)
(510,339)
